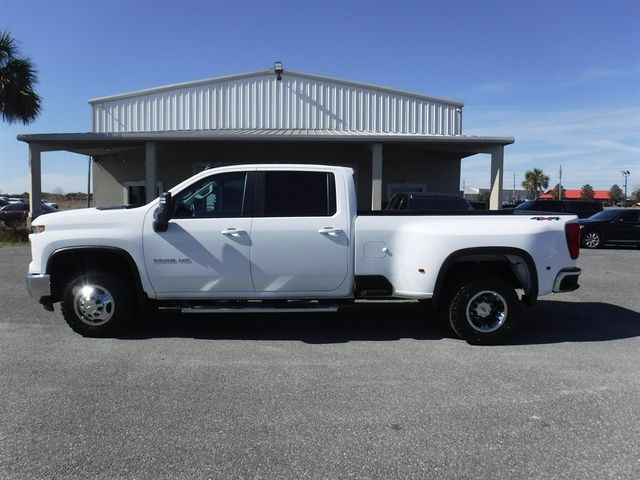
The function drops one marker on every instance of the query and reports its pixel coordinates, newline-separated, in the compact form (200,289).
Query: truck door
(205,251)
(300,234)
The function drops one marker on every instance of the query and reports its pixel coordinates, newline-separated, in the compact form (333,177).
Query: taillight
(572,231)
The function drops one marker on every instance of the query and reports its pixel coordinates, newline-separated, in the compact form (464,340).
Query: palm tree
(18,100)
(535,182)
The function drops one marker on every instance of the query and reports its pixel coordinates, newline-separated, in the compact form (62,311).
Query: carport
(379,149)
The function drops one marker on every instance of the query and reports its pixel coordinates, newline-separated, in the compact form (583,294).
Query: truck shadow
(547,322)
(557,322)
(381,322)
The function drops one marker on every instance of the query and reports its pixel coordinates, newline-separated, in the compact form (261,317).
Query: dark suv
(581,208)
(427,201)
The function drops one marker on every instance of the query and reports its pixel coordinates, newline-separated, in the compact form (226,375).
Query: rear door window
(629,217)
(295,194)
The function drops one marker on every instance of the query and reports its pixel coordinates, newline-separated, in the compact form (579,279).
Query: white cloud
(589,76)
(591,145)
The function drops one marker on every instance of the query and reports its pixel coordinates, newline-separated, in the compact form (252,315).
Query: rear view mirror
(162,215)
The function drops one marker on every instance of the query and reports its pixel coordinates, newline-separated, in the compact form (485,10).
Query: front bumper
(567,280)
(39,287)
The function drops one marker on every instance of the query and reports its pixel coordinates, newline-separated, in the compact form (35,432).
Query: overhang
(98,143)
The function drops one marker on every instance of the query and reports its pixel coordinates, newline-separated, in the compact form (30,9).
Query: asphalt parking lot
(382,392)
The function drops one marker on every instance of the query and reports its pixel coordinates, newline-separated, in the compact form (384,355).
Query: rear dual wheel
(483,310)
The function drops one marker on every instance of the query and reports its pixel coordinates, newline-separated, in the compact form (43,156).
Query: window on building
(135,193)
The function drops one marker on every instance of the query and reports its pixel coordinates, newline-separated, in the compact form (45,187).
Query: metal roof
(260,100)
(293,134)
(96,143)
(270,71)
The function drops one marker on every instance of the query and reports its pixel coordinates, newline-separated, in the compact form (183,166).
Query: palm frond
(18,76)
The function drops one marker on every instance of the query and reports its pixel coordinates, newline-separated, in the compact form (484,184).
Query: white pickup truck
(288,238)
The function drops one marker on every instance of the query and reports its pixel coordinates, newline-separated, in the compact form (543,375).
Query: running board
(252,309)
(258,310)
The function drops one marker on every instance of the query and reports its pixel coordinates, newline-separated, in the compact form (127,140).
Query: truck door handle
(233,232)
(329,231)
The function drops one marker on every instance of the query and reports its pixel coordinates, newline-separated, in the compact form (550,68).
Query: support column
(497,172)
(376,177)
(151,165)
(35,186)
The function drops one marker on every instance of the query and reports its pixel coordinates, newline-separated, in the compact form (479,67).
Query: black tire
(98,304)
(484,310)
(444,312)
(591,239)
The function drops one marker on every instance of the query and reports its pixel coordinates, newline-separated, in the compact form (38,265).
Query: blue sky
(562,76)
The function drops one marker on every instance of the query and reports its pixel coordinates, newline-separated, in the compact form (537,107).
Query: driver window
(217,196)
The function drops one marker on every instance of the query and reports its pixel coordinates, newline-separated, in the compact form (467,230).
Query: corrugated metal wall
(262,102)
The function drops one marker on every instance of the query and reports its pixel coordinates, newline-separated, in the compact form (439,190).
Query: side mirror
(162,215)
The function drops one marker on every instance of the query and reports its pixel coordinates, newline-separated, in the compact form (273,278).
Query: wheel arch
(513,264)
(66,262)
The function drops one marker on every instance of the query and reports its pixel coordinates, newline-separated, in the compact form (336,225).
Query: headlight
(37,228)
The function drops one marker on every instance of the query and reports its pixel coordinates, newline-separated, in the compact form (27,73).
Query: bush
(14,232)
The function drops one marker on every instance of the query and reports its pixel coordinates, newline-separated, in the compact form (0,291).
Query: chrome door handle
(329,231)
(234,232)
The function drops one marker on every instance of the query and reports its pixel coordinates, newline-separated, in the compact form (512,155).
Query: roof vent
(278,68)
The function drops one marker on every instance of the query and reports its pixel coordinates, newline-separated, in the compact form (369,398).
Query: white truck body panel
(425,242)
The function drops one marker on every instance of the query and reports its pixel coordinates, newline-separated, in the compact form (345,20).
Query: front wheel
(591,240)
(484,310)
(98,305)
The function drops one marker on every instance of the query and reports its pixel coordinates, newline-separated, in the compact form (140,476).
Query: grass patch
(14,234)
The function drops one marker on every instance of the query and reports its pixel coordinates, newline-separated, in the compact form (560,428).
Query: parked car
(3,201)
(50,204)
(581,208)
(616,225)
(16,212)
(427,201)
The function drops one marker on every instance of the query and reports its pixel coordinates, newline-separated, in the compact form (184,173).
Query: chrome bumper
(567,280)
(39,287)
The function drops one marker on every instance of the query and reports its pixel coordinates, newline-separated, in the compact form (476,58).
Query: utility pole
(513,195)
(625,174)
(560,185)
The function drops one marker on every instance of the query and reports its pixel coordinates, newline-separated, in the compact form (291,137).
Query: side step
(251,307)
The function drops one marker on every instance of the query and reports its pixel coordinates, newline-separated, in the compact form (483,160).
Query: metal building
(147,141)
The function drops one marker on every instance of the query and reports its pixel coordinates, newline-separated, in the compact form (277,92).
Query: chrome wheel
(487,311)
(591,240)
(94,305)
